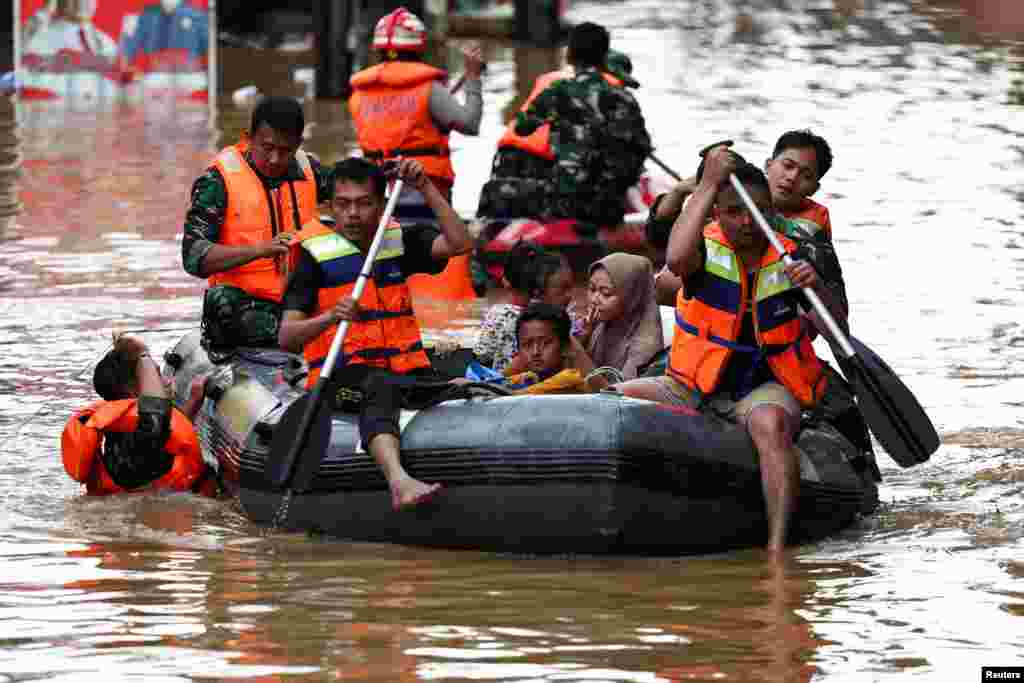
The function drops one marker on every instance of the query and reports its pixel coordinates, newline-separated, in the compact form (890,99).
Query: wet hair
(359,170)
(528,267)
(114,376)
(746,173)
(283,114)
(558,318)
(802,139)
(700,167)
(588,45)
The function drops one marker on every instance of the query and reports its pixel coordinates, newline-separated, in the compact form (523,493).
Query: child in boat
(549,353)
(622,328)
(533,274)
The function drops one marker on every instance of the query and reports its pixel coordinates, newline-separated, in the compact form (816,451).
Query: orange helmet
(401,31)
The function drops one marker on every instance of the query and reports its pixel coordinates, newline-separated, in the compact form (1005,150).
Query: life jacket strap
(381,154)
(766,350)
(382,353)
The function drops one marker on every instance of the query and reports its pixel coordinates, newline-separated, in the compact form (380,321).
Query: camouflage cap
(621,66)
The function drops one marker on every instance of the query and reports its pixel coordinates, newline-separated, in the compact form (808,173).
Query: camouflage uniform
(599,141)
(231,316)
(818,250)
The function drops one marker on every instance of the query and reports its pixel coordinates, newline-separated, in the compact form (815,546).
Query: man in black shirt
(382,354)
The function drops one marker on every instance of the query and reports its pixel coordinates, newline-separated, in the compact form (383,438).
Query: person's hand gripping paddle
(895,417)
(304,431)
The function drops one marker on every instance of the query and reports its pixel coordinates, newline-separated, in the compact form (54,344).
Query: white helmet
(401,31)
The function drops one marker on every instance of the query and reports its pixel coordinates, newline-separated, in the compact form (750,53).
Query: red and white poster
(103,48)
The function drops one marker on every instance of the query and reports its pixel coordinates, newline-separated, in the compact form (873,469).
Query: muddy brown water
(926,199)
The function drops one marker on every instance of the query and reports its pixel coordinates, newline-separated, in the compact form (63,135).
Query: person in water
(622,328)
(134,438)
(740,349)
(382,355)
(238,229)
(532,274)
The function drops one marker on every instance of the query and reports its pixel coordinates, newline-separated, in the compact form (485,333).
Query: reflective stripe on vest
(82,442)
(390,107)
(538,143)
(253,212)
(709,323)
(387,334)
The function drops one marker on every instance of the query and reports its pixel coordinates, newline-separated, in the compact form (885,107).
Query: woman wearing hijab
(622,329)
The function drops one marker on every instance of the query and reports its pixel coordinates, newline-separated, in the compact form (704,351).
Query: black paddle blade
(892,412)
(300,441)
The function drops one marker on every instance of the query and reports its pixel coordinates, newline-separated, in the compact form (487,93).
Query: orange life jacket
(811,216)
(387,334)
(709,323)
(390,107)
(255,214)
(538,143)
(81,444)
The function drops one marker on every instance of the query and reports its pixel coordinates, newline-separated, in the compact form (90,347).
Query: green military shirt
(598,137)
(209,203)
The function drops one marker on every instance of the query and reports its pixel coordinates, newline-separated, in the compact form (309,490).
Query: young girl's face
(604,297)
(558,287)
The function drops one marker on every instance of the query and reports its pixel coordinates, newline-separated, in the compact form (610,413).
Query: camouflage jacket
(816,248)
(209,205)
(597,133)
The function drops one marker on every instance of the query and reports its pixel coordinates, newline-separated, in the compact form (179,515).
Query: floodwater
(926,199)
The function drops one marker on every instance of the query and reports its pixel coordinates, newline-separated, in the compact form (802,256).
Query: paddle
(462,81)
(304,431)
(664,167)
(895,417)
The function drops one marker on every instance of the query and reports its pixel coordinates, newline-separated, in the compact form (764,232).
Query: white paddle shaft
(812,296)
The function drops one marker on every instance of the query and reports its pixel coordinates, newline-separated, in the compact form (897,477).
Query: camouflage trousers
(526,186)
(233,318)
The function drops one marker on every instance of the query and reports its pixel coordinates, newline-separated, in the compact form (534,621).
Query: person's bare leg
(771,430)
(639,389)
(405,490)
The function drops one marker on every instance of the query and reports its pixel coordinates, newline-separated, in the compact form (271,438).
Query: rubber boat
(589,474)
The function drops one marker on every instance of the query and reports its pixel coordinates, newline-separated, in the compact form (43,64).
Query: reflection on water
(10,166)
(926,201)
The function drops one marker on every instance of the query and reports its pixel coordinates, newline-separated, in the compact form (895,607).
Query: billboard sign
(102,48)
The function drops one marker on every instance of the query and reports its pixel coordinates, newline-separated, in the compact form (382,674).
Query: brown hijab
(634,338)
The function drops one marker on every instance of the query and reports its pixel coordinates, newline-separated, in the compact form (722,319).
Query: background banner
(102,48)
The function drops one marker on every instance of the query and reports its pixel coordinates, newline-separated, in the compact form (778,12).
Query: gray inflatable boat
(596,473)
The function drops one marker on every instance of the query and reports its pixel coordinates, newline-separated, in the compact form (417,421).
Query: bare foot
(409,492)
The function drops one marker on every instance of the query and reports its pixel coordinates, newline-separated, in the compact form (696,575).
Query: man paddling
(239,226)
(798,162)
(740,349)
(382,353)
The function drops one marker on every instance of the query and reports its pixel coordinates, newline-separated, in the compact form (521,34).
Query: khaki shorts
(675,393)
